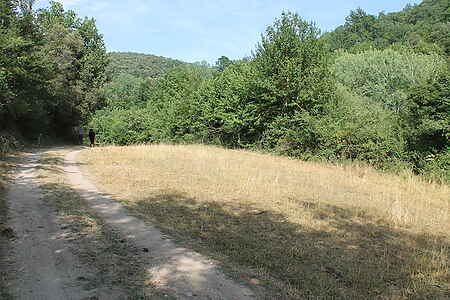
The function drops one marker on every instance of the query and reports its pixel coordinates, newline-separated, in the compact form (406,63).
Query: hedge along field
(302,229)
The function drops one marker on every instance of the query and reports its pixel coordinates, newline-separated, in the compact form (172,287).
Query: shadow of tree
(356,256)
(118,262)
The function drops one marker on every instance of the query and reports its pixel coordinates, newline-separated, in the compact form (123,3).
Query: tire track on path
(44,267)
(186,274)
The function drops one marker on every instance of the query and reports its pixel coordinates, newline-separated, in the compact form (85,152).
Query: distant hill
(416,25)
(140,65)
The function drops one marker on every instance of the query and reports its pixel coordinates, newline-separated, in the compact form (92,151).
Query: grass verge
(301,229)
(6,165)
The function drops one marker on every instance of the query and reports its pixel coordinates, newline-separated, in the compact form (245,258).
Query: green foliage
(123,127)
(76,53)
(22,73)
(171,102)
(123,92)
(140,65)
(426,22)
(222,63)
(166,116)
(228,108)
(428,124)
(386,75)
(293,68)
(52,65)
(351,128)
(428,114)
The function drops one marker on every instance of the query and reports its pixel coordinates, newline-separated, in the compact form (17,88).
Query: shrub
(351,128)
(8,143)
(123,127)
(385,76)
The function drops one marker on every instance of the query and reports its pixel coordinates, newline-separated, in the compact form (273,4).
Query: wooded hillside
(423,27)
(139,65)
(374,90)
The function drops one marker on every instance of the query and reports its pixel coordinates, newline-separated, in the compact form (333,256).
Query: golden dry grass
(305,229)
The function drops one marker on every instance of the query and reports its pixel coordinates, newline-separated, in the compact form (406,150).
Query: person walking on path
(80,135)
(92,137)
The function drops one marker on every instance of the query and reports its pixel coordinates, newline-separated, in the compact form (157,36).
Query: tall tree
(293,67)
(76,52)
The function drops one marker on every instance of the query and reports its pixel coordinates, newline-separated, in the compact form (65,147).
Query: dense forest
(52,68)
(375,90)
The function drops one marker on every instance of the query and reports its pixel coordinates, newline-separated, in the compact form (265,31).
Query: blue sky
(197,30)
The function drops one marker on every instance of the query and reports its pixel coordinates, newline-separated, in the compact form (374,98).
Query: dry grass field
(300,229)
(6,164)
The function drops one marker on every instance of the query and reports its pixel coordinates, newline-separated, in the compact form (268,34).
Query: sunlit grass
(309,229)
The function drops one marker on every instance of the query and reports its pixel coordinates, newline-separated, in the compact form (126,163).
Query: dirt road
(40,261)
(46,265)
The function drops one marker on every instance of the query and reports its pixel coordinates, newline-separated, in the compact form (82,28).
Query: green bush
(8,143)
(386,76)
(123,127)
(351,128)
(227,108)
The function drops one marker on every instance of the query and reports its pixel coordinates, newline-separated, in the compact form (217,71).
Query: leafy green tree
(94,58)
(76,53)
(227,109)
(427,116)
(223,62)
(292,66)
(426,22)
(351,128)
(22,74)
(385,76)
(124,126)
(124,92)
(171,100)
(60,52)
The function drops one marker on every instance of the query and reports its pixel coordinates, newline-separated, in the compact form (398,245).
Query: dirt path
(184,273)
(44,260)
(42,265)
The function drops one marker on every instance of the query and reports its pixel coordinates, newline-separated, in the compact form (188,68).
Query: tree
(288,73)
(223,62)
(292,66)
(385,76)
(22,73)
(427,116)
(76,53)
(124,92)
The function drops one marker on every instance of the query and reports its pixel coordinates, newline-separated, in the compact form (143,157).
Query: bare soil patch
(302,229)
